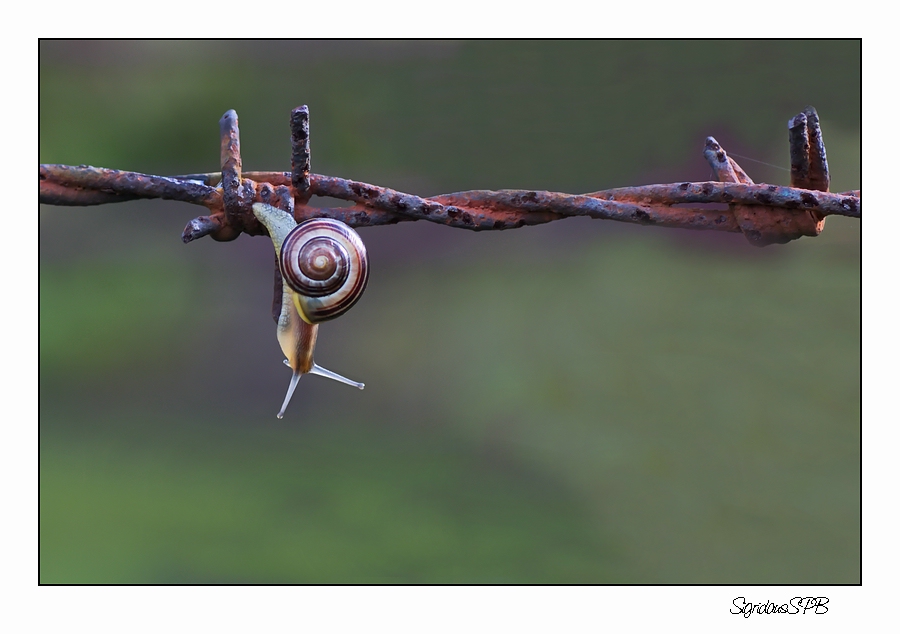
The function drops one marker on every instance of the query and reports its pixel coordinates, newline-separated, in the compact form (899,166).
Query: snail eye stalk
(317,369)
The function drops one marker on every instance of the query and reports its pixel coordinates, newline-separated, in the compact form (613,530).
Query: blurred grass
(177,501)
(705,407)
(104,317)
(571,403)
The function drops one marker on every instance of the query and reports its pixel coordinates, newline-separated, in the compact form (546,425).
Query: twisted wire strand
(764,213)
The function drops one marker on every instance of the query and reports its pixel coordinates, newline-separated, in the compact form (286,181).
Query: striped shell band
(325,263)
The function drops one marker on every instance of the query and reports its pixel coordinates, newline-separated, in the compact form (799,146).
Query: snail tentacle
(317,369)
(295,378)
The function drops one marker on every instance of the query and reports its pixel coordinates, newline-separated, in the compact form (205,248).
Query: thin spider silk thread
(778,167)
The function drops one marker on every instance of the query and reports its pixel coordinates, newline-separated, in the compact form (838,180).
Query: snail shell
(325,263)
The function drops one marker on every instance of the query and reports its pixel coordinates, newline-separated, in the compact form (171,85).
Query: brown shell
(325,263)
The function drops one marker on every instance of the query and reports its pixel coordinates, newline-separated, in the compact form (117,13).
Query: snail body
(324,269)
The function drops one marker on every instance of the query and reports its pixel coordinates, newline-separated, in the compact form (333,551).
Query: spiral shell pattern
(324,261)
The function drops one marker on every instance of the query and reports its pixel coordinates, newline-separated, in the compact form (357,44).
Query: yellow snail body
(324,270)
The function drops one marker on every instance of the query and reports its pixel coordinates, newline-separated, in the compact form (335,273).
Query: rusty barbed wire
(765,214)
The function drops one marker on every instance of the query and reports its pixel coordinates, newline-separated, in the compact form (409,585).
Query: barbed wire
(765,214)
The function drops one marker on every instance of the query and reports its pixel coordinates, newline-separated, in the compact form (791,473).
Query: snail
(324,270)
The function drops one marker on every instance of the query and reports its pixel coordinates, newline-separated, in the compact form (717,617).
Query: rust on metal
(202,226)
(300,164)
(809,165)
(798,138)
(819,178)
(761,225)
(765,214)
(57,194)
(231,164)
(129,185)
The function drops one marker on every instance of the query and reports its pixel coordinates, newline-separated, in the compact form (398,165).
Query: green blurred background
(578,402)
